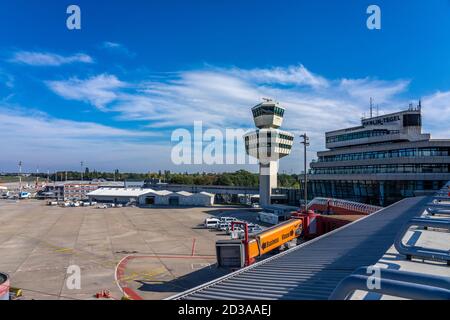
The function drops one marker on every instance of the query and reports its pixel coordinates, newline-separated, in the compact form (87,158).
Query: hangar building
(148,197)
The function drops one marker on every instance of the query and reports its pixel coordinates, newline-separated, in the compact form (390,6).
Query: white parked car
(211,223)
(223,226)
(228,219)
(24,195)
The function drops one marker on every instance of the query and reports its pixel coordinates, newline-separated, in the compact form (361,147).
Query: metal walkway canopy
(313,269)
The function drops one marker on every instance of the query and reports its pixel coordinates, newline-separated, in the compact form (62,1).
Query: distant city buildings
(67,191)
(78,191)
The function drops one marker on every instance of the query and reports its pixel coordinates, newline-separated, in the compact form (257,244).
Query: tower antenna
(371,107)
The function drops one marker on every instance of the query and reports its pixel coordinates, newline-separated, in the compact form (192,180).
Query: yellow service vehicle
(240,253)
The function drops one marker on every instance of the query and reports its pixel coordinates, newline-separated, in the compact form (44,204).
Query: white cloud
(222,98)
(381,91)
(99,90)
(6,79)
(40,140)
(117,47)
(293,75)
(108,44)
(436,114)
(35,58)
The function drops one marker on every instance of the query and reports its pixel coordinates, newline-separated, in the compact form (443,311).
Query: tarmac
(161,251)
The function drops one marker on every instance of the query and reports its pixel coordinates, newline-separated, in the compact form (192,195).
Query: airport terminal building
(385,159)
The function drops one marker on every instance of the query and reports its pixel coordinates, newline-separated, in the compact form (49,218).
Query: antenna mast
(371,107)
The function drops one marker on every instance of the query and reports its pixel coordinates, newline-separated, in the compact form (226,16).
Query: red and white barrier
(4,286)
(349,207)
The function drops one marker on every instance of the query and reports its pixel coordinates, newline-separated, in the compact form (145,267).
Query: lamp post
(305,143)
(20,176)
(81,170)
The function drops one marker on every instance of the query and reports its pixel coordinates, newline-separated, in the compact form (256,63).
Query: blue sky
(112,93)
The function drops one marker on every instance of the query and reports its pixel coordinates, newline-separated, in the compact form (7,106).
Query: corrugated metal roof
(313,270)
(164,192)
(184,193)
(120,192)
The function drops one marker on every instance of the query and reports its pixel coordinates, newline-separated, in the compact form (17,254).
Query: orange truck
(240,253)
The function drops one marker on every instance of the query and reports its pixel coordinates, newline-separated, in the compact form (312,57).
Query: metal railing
(426,223)
(403,284)
(441,201)
(421,252)
(345,204)
(438,211)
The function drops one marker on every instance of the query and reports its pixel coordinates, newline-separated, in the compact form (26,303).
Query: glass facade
(269,145)
(412,120)
(389,168)
(398,153)
(269,141)
(268,110)
(286,137)
(360,135)
(371,192)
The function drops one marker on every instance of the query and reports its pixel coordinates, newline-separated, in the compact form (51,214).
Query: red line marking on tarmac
(120,270)
(193,247)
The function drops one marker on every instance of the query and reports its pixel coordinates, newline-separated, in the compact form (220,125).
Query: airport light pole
(20,176)
(82,170)
(305,143)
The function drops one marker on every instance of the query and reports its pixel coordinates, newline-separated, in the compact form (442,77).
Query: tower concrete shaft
(268,180)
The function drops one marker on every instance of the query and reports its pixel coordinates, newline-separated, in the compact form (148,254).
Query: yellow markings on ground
(145,275)
(64,250)
(98,260)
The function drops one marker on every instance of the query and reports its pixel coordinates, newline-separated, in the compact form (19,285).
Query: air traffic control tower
(268,144)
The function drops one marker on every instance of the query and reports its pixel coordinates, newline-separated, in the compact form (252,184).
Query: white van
(211,223)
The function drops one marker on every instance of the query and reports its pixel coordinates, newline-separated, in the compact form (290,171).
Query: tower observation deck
(268,144)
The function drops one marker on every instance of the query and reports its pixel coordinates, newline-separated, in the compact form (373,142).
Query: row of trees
(238,178)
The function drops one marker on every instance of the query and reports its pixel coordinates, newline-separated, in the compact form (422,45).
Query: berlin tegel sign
(381,120)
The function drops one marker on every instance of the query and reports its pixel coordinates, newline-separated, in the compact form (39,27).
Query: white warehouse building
(148,197)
